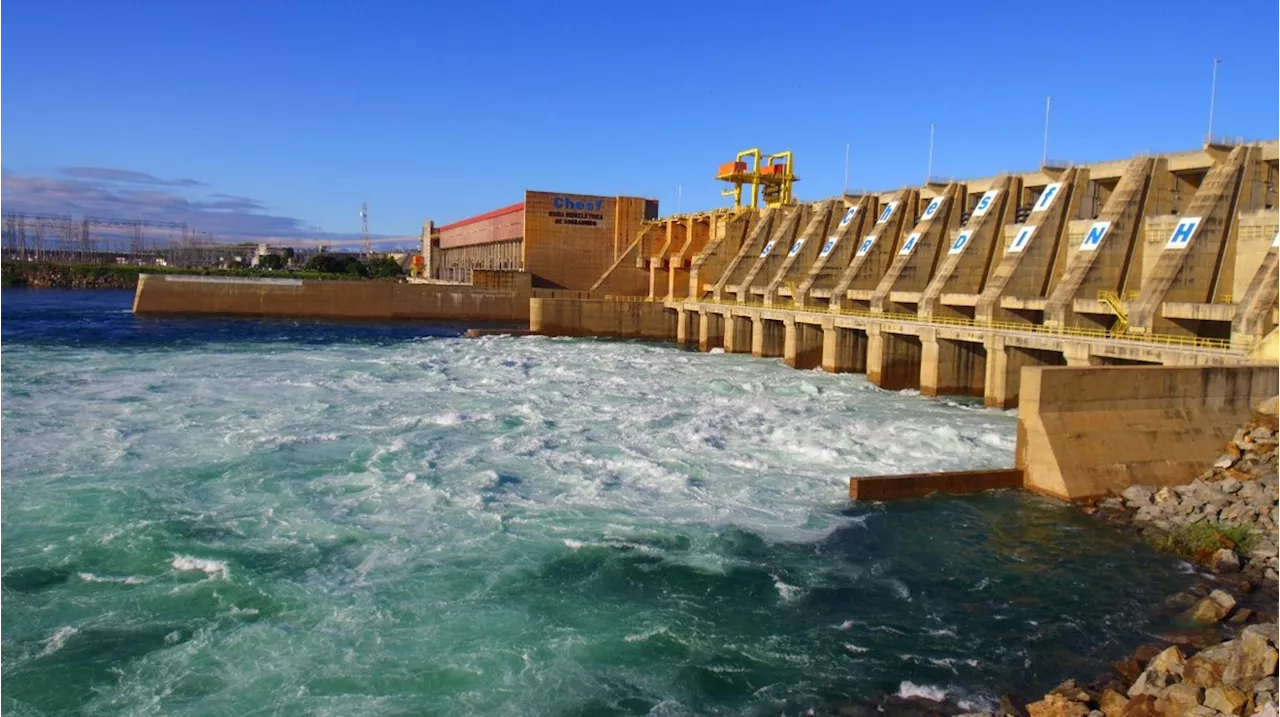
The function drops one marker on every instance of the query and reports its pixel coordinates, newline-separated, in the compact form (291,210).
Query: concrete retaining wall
(1087,431)
(234,296)
(618,319)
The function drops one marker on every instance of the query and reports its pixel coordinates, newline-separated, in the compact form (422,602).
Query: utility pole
(364,230)
(846,169)
(1044,156)
(929,174)
(1213,94)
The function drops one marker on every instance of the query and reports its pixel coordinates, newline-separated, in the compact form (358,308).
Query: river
(211,517)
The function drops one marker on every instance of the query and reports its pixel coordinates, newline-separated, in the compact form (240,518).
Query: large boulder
(1178,700)
(1267,710)
(1056,705)
(1224,560)
(1141,706)
(1112,703)
(1267,413)
(1253,659)
(1137,495)
(1163,670)
(1205,668)
(1169,661)
(1226,699)
(1211,609)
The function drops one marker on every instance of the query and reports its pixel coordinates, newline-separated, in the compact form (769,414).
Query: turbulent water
(212,517)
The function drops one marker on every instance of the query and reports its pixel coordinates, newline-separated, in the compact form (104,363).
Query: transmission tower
(364,229)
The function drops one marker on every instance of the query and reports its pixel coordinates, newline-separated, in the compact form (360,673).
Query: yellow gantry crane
(770,176)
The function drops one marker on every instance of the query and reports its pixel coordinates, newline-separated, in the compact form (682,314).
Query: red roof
(481,217)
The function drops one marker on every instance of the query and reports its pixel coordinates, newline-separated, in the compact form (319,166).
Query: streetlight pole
(1044,156)
(846,169)
(929,173)
(1213,95)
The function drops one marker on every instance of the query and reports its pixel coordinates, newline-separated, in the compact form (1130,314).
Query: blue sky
(279,119)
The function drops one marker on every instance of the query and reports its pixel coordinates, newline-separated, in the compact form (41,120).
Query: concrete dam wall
(170,294)
(1085,432)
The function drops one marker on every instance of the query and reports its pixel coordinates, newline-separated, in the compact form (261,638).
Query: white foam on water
(128,580)
(908,689)
(787,592)
(963,699)
(643,636)
(55,641)
(440,476)
(213,569)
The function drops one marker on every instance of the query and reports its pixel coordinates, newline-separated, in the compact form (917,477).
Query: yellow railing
(1113,302)
(1162,339)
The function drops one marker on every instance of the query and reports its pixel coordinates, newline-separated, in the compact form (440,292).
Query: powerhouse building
(565,241)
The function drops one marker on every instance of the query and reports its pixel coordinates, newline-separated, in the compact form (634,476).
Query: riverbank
(1222,658)
(36,275)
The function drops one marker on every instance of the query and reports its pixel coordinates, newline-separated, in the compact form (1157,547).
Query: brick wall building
(563,240)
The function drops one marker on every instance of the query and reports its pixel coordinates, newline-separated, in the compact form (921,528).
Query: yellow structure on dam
(952,287)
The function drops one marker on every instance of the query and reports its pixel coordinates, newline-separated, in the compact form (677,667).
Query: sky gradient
(279,119)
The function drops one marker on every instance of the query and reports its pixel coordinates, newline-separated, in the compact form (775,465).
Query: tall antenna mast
(364,229)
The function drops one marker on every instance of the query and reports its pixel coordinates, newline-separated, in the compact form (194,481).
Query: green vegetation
(271,262)
(1197,542)
(118,276)
(383,267)
(376,268)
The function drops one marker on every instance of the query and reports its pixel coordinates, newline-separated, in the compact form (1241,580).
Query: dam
(954,286)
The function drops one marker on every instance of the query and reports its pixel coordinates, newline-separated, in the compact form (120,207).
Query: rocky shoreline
(1223,658)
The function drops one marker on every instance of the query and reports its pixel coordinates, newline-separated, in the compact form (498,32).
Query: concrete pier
(844,350)
(768,337)
(951,367)
(894,360)
(803,345)
(737,334)
(710,331)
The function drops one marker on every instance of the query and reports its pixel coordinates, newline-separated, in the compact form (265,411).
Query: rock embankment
(1236,677)
(1225,660)
(1192,673)
(1226,519)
